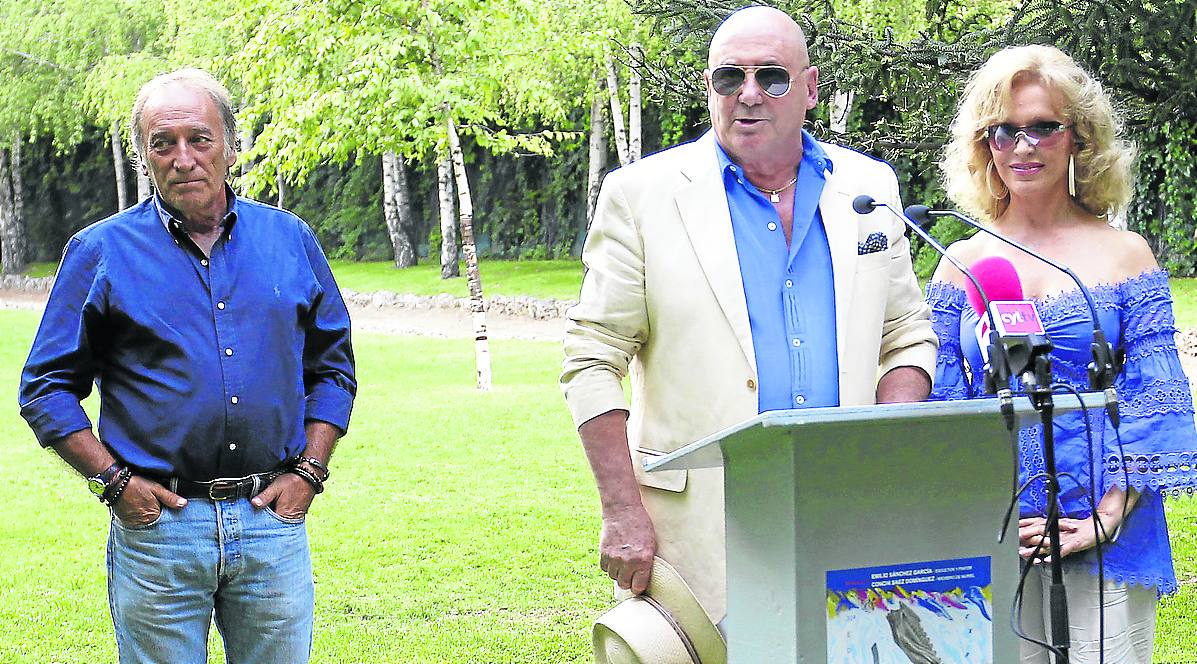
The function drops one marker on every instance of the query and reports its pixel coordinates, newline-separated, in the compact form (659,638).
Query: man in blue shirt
(730,276)
(220,345)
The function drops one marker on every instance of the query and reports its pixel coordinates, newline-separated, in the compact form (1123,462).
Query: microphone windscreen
(919,214)
(999,279)
(863,204)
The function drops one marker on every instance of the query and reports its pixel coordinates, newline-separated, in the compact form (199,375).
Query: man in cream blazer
(663,301)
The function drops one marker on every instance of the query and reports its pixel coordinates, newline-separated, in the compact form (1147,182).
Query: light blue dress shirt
(790,290)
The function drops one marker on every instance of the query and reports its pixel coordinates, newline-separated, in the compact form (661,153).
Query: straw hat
(666,625)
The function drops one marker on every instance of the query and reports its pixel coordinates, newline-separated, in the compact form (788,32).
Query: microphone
(1107,363)
(864,204)
(1019,326)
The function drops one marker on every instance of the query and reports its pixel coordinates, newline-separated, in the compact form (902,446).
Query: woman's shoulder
(966,251)
(1126,253)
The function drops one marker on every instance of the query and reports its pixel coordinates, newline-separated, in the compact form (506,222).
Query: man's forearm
(321,440)
(84,452)
(903,385)
(605,439)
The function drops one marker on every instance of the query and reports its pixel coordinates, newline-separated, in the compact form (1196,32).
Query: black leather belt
(225,488)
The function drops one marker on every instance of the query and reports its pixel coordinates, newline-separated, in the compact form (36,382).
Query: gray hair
(196,79)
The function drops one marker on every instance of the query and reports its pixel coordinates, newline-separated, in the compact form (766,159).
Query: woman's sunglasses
(774,80)
(1004,137)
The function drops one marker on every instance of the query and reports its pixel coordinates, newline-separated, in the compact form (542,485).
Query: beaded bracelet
(114,490)
(317,464)
(309,478)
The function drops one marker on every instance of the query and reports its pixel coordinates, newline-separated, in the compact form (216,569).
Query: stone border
(515,307)
(21,283)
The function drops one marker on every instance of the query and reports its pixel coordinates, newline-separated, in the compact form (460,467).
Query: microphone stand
(1037,380)
(1107,363)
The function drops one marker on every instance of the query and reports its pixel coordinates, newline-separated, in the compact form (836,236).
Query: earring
(989,176)
(1071,176)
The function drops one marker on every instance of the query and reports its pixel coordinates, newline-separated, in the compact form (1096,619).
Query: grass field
(458,526)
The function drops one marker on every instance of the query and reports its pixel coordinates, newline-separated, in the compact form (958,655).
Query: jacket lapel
(702,206)
(840,223)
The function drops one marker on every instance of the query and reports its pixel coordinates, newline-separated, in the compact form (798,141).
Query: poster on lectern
(936,611)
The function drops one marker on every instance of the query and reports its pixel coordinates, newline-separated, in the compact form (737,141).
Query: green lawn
(1184,299)
(457,527)
(546,279)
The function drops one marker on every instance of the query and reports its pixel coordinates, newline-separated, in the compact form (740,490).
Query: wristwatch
(98,484)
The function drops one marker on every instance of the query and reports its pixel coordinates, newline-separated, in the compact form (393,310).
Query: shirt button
(789,283)
(204,262)
(234,400)
(220,305)
(232,446)
(772,226)
(733,169)
(228,351)
(799,399)
(751,384)
(797,343)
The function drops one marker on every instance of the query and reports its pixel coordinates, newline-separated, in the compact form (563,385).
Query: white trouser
(1129,618)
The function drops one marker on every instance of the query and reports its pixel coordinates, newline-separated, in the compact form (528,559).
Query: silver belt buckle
(224,488)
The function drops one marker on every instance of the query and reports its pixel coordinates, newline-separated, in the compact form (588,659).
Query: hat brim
(636,630)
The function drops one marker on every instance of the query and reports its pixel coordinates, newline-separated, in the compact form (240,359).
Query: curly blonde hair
(1103,160)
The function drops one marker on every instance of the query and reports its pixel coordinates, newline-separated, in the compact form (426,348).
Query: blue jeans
(249,568)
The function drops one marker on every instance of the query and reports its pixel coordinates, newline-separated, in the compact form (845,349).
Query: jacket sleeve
(907,339)
(610,322)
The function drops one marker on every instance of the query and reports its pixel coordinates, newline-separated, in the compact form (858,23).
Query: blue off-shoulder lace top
(1157,453)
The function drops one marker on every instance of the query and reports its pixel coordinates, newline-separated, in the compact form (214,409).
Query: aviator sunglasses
(774,80)
(1045,134)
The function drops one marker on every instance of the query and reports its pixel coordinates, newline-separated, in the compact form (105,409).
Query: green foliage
(344,206)
(65,191)
(1164,209)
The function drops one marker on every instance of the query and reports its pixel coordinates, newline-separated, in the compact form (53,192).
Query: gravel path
(427,322)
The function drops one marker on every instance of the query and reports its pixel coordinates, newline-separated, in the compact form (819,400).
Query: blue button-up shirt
(789,289)
(207,367)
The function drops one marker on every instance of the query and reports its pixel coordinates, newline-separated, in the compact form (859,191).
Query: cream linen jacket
(663,301)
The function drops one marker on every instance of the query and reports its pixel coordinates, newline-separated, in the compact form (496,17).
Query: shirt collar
(173,222)
(812,153)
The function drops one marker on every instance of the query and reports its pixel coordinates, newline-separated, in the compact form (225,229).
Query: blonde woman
(1036,153)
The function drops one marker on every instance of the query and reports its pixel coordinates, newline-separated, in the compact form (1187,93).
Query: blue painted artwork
(932,612)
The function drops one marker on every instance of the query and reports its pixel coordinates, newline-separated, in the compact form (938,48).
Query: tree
(12,226)
(332,79)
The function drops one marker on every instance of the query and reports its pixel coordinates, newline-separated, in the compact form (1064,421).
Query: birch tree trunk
(247,144)
(621,139)
(841,108)
(466,207)
(281,185)
(634,104)
(444,185)
(12,222)
(118,167)
(144,189)
(396,208)
(597,158)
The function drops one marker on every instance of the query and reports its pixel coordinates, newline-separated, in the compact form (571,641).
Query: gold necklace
(775,194)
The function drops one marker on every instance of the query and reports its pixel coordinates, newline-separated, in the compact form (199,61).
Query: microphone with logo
(1107,362)
(1019,328)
